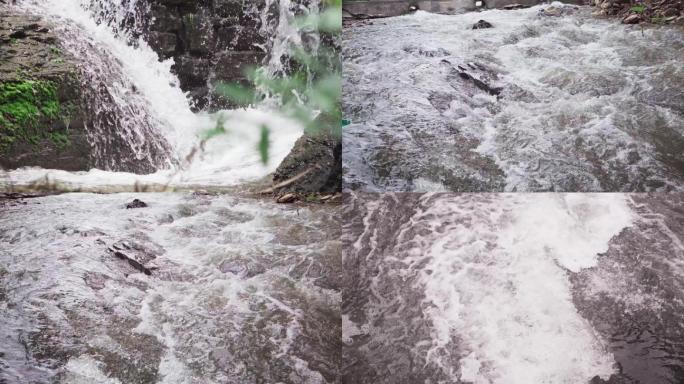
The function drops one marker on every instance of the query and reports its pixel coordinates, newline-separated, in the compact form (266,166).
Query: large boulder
(41,119)
(315,163)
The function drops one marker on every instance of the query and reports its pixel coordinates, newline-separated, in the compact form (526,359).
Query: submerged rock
(136,204)
(482,24)
(138,254)
(242,267)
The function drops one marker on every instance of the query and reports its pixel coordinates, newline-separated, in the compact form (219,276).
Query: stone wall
(209,40)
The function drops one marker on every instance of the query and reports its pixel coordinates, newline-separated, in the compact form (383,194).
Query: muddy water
(513,288)
(238,291)
(537,103)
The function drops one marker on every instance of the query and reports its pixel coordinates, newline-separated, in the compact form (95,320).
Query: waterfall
(284,34)
(135,101)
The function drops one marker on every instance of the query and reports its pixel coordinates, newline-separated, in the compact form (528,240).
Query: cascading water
(192,288)
(135,102)
(513,288)
(537,103)
(285,34)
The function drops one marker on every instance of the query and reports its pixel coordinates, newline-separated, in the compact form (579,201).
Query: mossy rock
(24,106)
(41,121)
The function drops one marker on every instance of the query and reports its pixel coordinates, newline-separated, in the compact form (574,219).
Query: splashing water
(191,288)
(153,113)
(239,291)
(513,288)
(536,103)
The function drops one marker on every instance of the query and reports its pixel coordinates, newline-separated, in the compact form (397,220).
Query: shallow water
(239,290)
(570,103)
(513,288)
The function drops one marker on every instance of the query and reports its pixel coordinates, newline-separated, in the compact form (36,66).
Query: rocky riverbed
(187,288)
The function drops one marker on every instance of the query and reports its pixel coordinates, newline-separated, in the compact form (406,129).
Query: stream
(562,102)
(181,287)
(233,290)
(513,288)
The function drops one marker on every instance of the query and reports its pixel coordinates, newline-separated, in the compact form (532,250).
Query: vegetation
(23,105)
(311,87)
(638,9)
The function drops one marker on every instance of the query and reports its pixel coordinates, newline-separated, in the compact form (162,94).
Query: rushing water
(135,102)
(239,291)
(513,288)
(536,103)
(193,288)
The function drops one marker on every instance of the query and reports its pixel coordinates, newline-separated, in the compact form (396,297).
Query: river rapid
(513,288)
(537,103)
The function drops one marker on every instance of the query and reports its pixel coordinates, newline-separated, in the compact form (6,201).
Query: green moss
(25,107)
(190,21)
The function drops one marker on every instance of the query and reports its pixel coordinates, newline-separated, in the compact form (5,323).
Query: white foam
(565,120)
(226,160)
(86,370)
(499,285)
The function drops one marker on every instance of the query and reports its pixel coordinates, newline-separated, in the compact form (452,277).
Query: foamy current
(238,290)
(513,288)
(536,103)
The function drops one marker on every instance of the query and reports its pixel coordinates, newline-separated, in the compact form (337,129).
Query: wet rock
(210,41)
(136,204)
(163,43)
(135,356)
(242,267)
(670,12)
(466,72)
(441,100)
(35,70)
(632,19)
(551,11)
(514,6)
(138,254)
(482,24)
(287,198)
(315,162)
